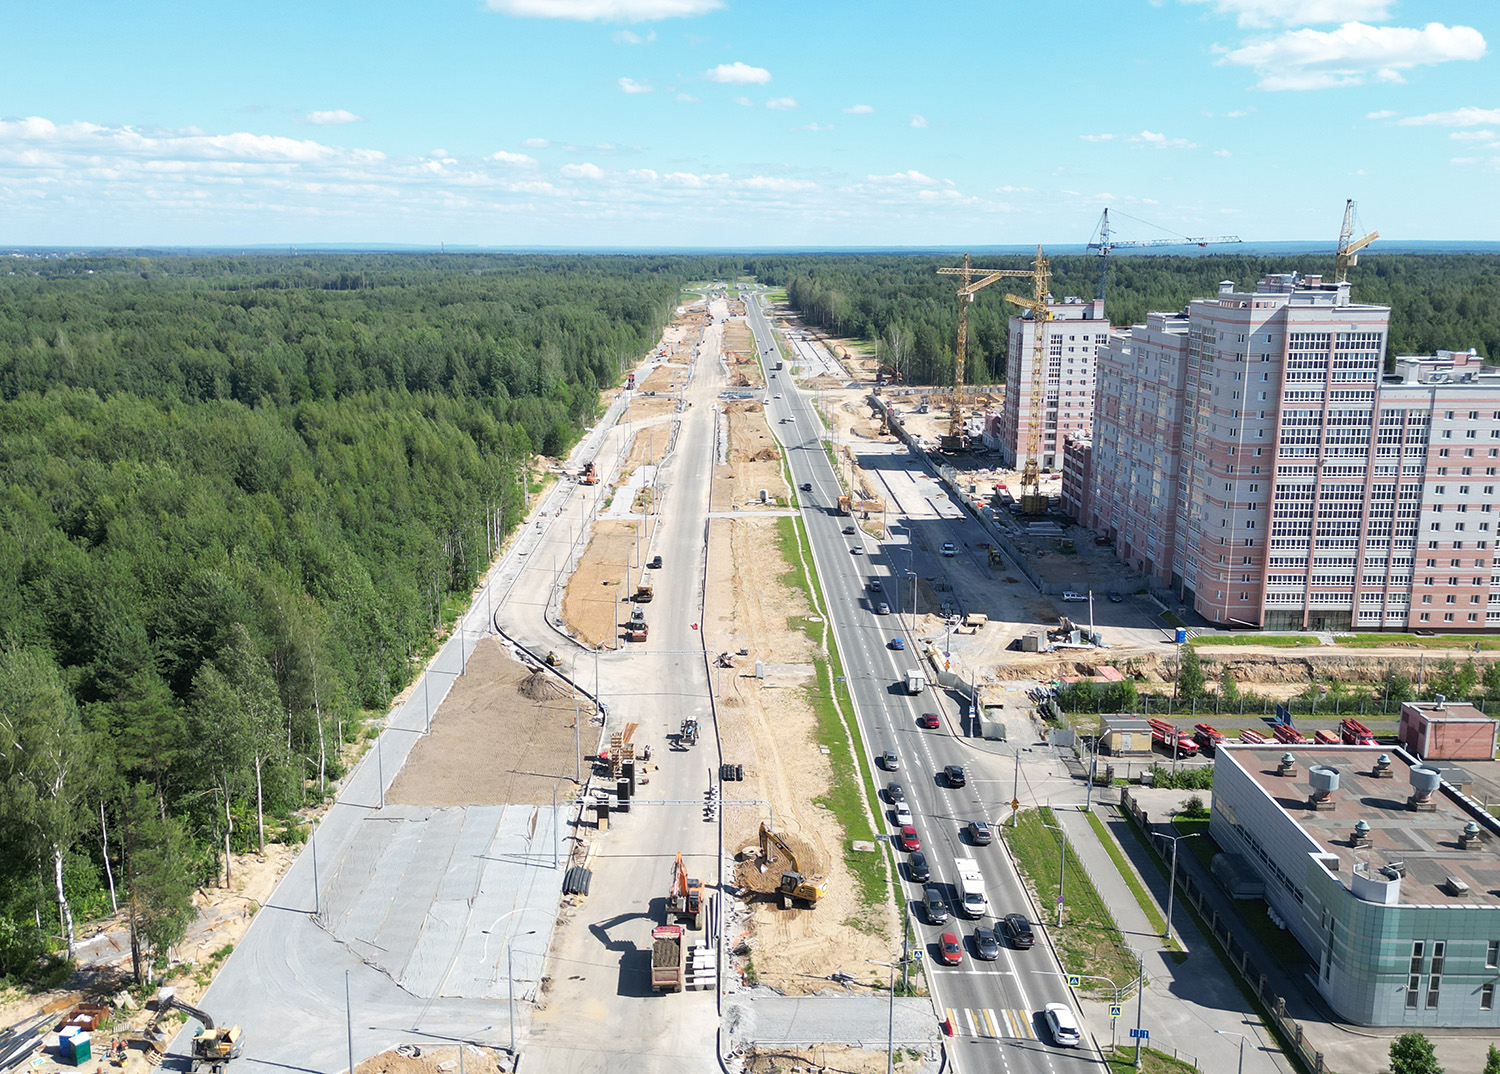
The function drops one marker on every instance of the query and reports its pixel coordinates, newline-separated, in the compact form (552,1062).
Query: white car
(1062,1025)
(950,549)
(1072,597)
(903,814)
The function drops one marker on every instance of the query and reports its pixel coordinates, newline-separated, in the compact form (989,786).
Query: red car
(908,838)
(928,720)
(950,951)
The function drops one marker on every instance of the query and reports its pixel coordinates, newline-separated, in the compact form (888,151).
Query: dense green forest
(239,496)
(1449,301)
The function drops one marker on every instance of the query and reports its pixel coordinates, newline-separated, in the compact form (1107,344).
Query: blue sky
(744,122)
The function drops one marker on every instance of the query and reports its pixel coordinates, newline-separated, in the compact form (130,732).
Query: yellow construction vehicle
(644,593)
(685,896)
(793,887)
(215,1046)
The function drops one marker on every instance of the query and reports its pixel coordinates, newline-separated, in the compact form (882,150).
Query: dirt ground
(432,1061)
(491,744)
(603,576)
(754,461)
(647,447)
(665,379)
(645,407)
(827,1059)
(768,726)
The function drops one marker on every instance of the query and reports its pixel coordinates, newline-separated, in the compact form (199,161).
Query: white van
(1072,597)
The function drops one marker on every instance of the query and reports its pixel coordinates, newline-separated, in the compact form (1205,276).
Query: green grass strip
(1281,640)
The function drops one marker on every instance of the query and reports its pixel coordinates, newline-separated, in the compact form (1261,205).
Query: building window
(1433,984)
(1418,947)
(1487,997)
(1492,956)
(1412,984)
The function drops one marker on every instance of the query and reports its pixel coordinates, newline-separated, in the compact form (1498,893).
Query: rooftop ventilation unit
(1360,837)
(1287,766)
(1471,837)
(1382,769)
(1325,780)
(1424,782)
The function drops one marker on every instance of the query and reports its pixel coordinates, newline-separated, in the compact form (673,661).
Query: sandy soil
(755,461)
(589,604)
(432,1061)
(493,745)
(768,726)
(825,1058)
(645,407)
(647,446)
(664,379)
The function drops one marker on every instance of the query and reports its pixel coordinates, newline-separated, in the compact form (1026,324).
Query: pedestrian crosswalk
(993,1022)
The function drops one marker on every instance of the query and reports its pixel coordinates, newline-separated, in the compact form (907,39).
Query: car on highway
(898,644)
(778,395)
(1062,1025)
(889,761)
(806,486)
(950,549)
(894,792)
(934,905)
(857,550)
(928,720)
(986,946)
(953,775)
(907,839)
(875,586)
(980,834)
(882,608)
(848,531)
(950,951)
(903,814)
(916,868)
(1017,931)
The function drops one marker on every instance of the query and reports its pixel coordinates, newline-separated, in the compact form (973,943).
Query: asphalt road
(994,1006)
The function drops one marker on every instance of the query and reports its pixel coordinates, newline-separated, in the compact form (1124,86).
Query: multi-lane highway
(994,1006)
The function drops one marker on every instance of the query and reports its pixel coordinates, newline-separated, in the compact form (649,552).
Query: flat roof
(1426,843)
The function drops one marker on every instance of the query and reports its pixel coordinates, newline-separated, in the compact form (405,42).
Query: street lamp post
(1062,864)
(1172,880)
(1232,1033)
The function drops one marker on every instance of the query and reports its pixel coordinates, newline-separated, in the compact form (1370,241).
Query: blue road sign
(1142,1034)
(1074,980)
(1115,1010)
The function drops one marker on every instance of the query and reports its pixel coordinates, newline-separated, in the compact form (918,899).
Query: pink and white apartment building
(1250,454)
(1076,331)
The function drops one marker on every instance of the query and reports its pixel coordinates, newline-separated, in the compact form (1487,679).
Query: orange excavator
(685,897)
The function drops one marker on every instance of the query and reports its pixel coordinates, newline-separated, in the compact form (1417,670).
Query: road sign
(1074,980)
(1115,1010)
(916,956)
(1140,1034)
(1015,803)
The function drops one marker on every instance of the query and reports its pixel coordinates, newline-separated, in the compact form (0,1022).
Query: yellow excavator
(685,897)
(215,1046)
(794,887)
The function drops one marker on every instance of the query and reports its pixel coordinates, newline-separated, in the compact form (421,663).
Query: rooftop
(1426,844)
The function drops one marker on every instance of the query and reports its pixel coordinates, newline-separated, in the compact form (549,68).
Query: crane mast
(1032,500)
(1105,243)
(970,286)
(1349,247)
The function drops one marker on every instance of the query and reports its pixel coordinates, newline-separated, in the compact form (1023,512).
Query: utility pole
(349,1021)
(1140,989)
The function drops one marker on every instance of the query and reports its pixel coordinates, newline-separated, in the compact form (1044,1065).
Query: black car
(807,486)
(848,531)
(986,945)
(1115,598)
(1017,931)
(916,868)
(953,775)
(655,563)
(894,792)
(875,586)
(934,904)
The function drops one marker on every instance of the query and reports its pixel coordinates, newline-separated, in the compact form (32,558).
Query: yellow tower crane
(1032,500)
(954,440)
(1349,246)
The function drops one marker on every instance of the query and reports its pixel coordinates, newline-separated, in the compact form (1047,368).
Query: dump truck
(589,475)
(793,886)
(644,593)
(685,896)
(666,958)
(916,682)
(214,1046)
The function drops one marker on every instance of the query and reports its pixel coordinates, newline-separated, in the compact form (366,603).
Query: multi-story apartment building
(1311,491)
(1076,329)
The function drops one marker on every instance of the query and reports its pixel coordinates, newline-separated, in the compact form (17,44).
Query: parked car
(928,720)
(1115,598)
(980,834)
(950,951)
(986,945)
(1017,931)
(889,761)
(894,792)
(898,644)
(908,838)
(916,868)
(655,563)
(953,775)
(1062,1025)
(933,904)
(1073,598)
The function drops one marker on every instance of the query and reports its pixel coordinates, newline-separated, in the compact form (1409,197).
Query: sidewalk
(1184,1002)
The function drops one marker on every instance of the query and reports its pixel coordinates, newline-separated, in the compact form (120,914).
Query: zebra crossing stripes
(994,1023)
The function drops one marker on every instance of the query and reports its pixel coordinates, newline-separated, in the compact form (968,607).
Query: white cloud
(816,127)
(1222,153)
(769,182)
(1353,54)
(858,110)
(738,73)
(332,118)
(1472,136)
(910,177)
(582,171)
(536,143)
(744,102)
(1260,14)
(686,98)
(1157,140)
(919,121)
(1097,137)
(511,158)
(1384,113)
(605,10)
(1459,117)
(630,85)
(1014,190)
(630,37)
(782,104)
